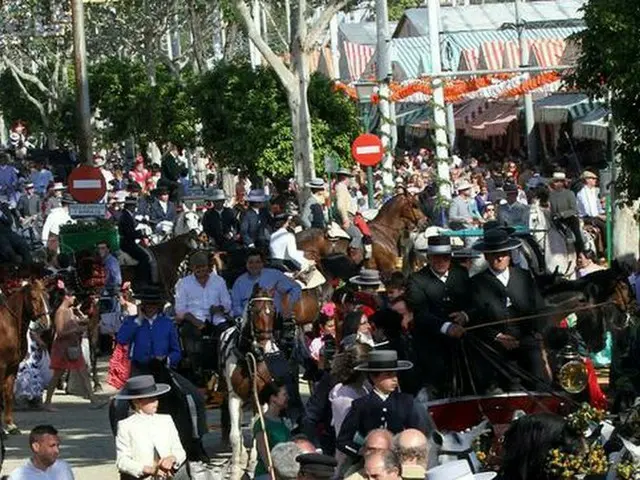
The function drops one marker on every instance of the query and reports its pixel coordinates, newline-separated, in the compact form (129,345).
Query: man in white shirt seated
(58,217)
(588,201)
(283,248)
(44,464)
(202,303)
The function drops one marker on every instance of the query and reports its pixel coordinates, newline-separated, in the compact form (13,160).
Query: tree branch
(320,26)
(31,98)
(28,77)
(275,27)
(286,77)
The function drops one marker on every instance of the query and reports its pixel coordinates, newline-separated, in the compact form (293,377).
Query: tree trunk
(303,162)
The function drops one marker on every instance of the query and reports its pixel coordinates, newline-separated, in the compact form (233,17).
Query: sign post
(88,187)
(368,151)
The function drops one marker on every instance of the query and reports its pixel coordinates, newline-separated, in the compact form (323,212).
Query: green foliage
(397,8)
(246,121)
(610,62)
(131,106)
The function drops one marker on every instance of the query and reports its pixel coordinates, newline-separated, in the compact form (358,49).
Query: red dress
(59,359)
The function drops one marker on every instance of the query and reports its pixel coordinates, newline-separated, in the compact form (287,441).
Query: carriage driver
(502,292)
(282,245)
(202,303)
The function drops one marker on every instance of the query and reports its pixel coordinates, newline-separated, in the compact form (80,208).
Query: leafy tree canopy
(610,63)
(246,120)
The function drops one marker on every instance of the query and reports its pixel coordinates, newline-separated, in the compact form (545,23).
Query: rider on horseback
(345,210)
(313,210)
(13,248)
(589,205)
(128,236)
(220,223)
(284,252)
(564,208)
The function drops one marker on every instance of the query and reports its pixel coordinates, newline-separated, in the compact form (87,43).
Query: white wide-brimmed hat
(587,174)
(559,176)
(316,184)
(256,196)
(458,470)
(367,277)
(59,186)
(217,195)
(463,185)
(142,386)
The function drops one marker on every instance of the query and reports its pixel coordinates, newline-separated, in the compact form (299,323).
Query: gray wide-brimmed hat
(383,361)
(464,253)
(344,171)
(217,195)
(316,184)
(257,196)
(367,277)
(142,386)
(496,240)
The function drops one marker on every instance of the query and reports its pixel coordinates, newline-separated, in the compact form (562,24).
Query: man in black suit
(503,292)
(220,223)
(161,208)
(255,227)
(172,168)
(128,244)
(384,407)
(439,297)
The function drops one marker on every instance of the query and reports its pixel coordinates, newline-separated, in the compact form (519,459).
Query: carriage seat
(335,232)
(126,260)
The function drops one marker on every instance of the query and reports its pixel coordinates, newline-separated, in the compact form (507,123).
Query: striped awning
(547,52)
(558,108)
(410,57)
(494,121)
(491,55)
(469,58)
(593,126)
(358,56)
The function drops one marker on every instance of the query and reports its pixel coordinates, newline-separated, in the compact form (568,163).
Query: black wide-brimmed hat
(496,240)
(496,224)
(161,191)
(142,386)
(317,465)
(437,245)
(131,201)
(150,293)
(510,188)
(383,361)
(464,253)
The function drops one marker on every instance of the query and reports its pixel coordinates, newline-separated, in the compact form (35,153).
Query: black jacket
(220,226)
(433,301)
(171,168)
(493,301)
(397,413)
(157,214)
(127,230)
(255,228)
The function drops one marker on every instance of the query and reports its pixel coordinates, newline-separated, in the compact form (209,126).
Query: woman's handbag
(73,353)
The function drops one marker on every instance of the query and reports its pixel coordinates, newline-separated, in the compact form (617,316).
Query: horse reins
(252,366)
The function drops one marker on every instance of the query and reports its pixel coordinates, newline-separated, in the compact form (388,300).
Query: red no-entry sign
(367,150)
(87,184)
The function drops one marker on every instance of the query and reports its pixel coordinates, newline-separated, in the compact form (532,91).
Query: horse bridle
(252,326)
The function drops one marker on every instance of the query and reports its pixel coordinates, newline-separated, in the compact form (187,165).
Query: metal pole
(82,83)
(498,71)
(609,228)
(529,120)
(367,127)
(383,67)
(439,113)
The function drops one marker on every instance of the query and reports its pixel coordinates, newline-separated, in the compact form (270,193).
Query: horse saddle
(335,232)
(126,260)
(310,279)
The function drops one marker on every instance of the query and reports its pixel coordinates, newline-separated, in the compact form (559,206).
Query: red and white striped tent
(469,58)
(511,57)
(491,54)
(546,52)
(358,56)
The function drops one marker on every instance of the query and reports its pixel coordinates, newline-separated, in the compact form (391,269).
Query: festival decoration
(532,84)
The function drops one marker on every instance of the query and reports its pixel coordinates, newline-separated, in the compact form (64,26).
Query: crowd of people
(377,343)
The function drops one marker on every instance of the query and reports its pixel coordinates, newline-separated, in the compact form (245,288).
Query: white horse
(229,343)
(558,255)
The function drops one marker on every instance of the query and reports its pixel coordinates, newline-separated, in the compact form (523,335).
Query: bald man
(383,465)
(304,444)
(378,440)
(412,447)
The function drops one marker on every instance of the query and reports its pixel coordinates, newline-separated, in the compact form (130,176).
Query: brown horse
(399,215)
(168,256)
(255,333)
(28,304)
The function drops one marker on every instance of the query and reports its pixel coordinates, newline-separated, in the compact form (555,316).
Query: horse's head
(410,210)
(261,314)
(36,303)
(191,221)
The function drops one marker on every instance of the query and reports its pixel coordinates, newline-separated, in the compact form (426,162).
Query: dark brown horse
(28,304)
(255,333)
(399,215)
(168,256)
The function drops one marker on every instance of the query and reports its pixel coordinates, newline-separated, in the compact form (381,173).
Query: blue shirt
(147,341)
(268,279)
(112,268)
(41,180)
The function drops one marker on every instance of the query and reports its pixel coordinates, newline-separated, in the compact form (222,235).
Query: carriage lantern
(572,374)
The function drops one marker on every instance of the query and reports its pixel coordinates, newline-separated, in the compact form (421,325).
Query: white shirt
(283,247)
(503,278)
(589,202)
(140,436)
(193,298)
(57,217)
(58,471)
(163,205)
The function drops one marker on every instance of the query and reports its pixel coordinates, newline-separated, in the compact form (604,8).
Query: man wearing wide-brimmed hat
(439,297)
(384,407)
(58,217)
(219,222)
(314,213)
(255,227)
(503,292)
(589,203)
(129,235)
(564,207)
(345,207)
(463,211)
(55,200)
(29,207)
(513,213)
